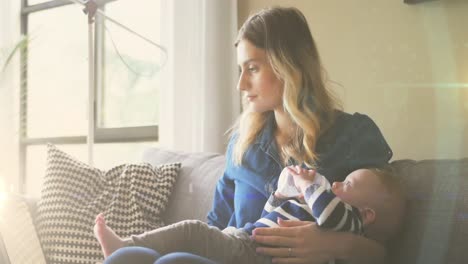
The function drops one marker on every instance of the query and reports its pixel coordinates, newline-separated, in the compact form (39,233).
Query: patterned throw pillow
(131,196)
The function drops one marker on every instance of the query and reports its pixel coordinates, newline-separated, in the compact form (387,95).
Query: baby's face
(359,188)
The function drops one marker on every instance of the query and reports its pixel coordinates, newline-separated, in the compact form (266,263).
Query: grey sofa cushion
(436,223)
(193,192)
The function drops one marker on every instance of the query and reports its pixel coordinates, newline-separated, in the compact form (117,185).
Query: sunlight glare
(3,193)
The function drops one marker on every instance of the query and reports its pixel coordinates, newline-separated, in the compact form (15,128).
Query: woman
(289,118)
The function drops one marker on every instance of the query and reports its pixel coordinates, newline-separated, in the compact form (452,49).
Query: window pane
(109,155)
(106,156)
(131,66)
(57,73)
(36,163)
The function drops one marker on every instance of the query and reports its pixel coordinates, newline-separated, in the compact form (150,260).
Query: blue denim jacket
(353,142)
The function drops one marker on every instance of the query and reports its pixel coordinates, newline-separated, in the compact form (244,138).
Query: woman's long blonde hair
(285,36)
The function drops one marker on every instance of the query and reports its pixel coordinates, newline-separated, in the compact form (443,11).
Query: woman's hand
(292,242)
(305,242)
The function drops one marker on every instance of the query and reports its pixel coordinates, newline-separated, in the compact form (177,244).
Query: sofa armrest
(32,203)
(19,239)
(3,253)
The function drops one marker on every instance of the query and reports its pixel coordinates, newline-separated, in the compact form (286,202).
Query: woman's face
(259,85)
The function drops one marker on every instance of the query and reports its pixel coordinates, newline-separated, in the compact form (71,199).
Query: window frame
(101,135)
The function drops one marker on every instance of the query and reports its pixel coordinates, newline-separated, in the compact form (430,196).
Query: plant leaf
(22,44)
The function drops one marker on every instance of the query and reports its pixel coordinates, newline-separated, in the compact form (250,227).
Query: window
(55,94)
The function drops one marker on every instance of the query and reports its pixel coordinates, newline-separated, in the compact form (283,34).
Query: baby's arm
(273,202)
(286,185)
(286,190)
(330,211)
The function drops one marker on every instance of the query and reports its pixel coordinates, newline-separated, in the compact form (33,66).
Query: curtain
(199,101)
(9,95)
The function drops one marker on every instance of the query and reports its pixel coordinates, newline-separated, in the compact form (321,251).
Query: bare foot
(108,239)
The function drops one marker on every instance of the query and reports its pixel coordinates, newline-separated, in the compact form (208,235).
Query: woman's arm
(355,249)
(223,202)
(310,244)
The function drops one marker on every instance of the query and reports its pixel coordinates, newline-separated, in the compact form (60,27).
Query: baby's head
(379,197)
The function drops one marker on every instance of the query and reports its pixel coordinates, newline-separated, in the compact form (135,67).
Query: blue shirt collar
(267,135)
(266,138)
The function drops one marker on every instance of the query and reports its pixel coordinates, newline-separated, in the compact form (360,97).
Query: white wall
(406,66)
(9,82)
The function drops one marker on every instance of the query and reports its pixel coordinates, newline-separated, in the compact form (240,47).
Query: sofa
(436,224)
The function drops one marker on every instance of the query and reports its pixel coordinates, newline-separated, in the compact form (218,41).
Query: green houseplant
(7,54)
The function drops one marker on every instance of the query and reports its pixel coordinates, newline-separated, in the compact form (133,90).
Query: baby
(368,202)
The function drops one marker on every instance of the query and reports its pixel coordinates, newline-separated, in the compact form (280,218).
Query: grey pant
(228,246)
